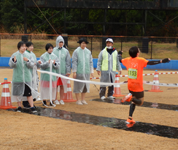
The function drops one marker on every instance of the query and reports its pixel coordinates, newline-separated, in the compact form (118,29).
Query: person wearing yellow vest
(108,63)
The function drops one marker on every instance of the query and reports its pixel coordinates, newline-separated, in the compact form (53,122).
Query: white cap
(109,40)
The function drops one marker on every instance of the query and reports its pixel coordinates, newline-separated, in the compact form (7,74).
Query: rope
(45,17)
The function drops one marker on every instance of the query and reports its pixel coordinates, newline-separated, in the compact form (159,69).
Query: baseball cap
(109,40)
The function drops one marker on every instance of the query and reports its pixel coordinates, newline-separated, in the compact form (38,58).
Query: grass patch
(160,50)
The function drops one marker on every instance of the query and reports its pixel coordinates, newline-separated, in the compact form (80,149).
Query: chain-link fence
(151,47)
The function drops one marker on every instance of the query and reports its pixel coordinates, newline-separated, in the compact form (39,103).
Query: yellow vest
(104,66)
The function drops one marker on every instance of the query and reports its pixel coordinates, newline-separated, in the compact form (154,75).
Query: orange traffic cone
(5,96)
(68,96)
(117,89)
(155,88)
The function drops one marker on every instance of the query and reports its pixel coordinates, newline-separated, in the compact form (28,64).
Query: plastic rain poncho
(21,75)
(35,78)
(47,88)
(107,75)
(64,59)
(82,64)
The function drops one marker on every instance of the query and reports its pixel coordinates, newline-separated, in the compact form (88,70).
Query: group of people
(57,60)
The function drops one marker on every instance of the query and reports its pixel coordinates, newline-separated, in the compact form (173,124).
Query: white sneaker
(79,102)
(62,102)
(102,98)
(56,102)
(111,97)
(84,102)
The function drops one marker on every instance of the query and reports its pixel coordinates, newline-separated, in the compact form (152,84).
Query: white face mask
(109,47)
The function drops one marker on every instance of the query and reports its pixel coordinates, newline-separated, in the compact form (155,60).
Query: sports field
(27,131)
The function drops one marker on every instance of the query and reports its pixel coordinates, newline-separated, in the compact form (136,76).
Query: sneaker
(56,102)
(62,102)
(19,109)
(79,102)
(130,121)
(102,98)
(33,109)
(84,102)
(111,97)
(44,103)
(127,98)
(52,104)
(130,125)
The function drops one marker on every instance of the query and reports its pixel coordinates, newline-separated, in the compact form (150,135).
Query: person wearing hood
(48,62)
(108,63)
(22,63)
(65,67)
(82,67)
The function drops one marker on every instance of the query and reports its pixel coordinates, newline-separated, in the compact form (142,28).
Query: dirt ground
(25,131)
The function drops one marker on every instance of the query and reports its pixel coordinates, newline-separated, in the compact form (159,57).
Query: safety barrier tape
(148,74)
(161,84)
(5,83)
(83,81)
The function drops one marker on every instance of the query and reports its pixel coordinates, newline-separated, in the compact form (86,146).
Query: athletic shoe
(56,102)
(111,97)
(127,98)
(52,105)
(79,102)
(130,121)
(102,98)
(130,125)
(44,103)
(62,102)
(33,109)
(19,109)
(84,102)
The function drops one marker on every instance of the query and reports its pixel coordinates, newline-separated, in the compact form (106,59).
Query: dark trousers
(103,91)
(110,90)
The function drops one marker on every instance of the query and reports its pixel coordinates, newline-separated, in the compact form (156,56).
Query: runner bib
(132,73)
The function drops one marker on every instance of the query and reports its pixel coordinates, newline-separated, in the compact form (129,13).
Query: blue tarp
(172,65)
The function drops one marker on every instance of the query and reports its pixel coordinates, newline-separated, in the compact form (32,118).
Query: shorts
(59,81)
(27,91)
(137,95)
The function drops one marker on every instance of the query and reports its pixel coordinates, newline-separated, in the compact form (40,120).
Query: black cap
(83,40)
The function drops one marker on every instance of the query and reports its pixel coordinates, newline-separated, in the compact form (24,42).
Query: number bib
(132,73)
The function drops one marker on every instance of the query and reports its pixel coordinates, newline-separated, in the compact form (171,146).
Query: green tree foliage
(12,19)
(12,14)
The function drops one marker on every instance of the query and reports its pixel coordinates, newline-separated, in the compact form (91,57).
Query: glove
(120,52)
(165,60)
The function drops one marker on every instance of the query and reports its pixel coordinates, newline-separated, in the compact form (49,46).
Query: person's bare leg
(83,96)
(61,92)
(30,100)
(78,101)
(77,96)
(19,104)
(56,92)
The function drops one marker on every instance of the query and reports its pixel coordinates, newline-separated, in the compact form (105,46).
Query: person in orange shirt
(135,65)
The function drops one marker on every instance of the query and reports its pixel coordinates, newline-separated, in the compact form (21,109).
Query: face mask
(109,47)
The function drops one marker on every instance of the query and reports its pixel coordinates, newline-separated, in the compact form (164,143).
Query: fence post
(121,44)
(91,45)
(151,48)
(0,45)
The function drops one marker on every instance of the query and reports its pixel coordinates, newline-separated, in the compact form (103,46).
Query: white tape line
(83,81)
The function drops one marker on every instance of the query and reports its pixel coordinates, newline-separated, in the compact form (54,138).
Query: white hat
(109,40)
